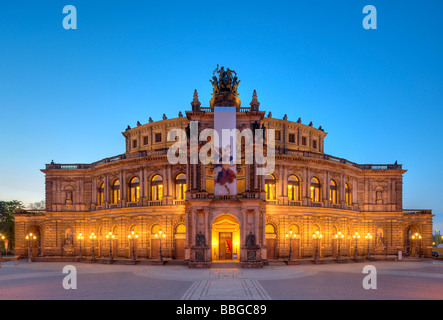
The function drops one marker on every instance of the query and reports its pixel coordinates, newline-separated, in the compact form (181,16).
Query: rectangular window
(134,143)
(277,135)
(303,141)
(314,144)
(292,137)
(158,137)
(145,140)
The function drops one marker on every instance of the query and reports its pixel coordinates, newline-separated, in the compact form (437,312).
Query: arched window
(100,194)
(156,188)
(180,187)
(315,190)
(115,191)
(333,192)
(155,229)
(269,229)
(348,194)
(295,229)
(181,228)
(134,190)
(270,187)
(294,188)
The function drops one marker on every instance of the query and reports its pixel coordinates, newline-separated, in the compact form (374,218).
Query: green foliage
(7,211)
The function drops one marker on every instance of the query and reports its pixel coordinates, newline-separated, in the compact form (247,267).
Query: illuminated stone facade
(141,191)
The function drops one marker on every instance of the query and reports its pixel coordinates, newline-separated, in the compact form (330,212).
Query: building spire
(254,103)
(195,102)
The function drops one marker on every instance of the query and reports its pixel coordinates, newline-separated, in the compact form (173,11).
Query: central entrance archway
(225,238)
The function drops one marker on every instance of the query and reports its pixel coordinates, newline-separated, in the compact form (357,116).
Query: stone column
(106,196)
(94,191)
(203,168)
(123,186)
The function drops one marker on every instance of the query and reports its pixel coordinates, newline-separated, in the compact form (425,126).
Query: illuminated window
(315,190)
(155,228)
(100,193)
(134,190)
(269,228)
(115,191)
(156,188)
(180,187)
(333,192)
(270,187)
(181,228)
(348,194)
(293,188)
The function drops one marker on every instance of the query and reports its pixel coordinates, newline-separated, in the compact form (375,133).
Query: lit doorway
(225,239)
(225,246)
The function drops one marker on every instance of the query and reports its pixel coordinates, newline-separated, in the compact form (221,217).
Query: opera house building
(141,207)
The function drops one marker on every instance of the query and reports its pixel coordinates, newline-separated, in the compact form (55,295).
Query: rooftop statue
(227,81)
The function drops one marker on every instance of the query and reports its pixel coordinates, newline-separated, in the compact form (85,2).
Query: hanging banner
(225,170)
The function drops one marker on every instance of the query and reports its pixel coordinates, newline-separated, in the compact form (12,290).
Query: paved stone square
(395,280)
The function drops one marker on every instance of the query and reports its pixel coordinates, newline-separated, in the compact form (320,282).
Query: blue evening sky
(66,95)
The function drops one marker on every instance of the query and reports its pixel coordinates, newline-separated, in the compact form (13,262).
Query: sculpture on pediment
(200,239)
(69,196)
(379,195)
(227,81)
(250,240)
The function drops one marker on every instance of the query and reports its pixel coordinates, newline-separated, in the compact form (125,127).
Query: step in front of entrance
(225,265)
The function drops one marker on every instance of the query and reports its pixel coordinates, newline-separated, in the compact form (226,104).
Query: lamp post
(111,237)
(2,238)
(416,236)
(317,236)
(133,236)
(93,237)
(30,237)
(160,235)
(368,237)
(80,237)
(356,236)
(339,236)
(290,236)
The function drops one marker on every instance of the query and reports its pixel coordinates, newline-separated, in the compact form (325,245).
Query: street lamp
(111,237)
(2,238)
(160,235)
(317,236)
(80,237)
(290,236)
(339,236)
(93,237)
(368,237)
(416,236)
(356,236)
(133,236)
(30,237)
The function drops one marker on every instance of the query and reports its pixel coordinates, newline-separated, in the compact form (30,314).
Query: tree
(7,211)
(39,205)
